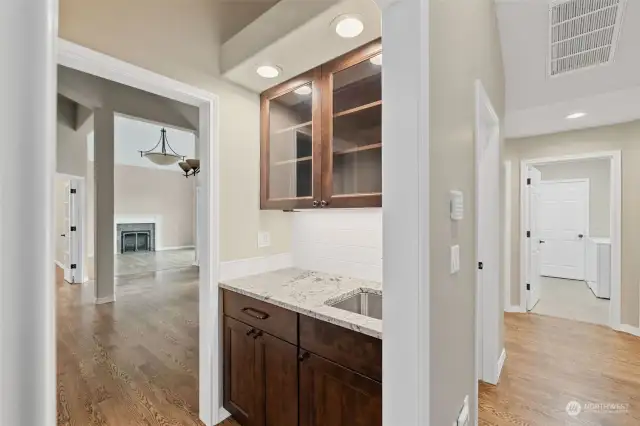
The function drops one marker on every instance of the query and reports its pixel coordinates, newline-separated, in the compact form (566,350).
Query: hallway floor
(138,263)
(553,361)
(571,299)
(133,362)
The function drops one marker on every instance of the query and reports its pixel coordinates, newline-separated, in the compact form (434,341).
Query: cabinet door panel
(352,129)
(278,366)
(241,380)
(290,143)
(333,395)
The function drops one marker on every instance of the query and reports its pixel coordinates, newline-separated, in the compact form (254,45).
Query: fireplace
(136,237)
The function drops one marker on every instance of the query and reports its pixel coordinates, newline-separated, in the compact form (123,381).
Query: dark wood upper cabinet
(334,395)
(321,139)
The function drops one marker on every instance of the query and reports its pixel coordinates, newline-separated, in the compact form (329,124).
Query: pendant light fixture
(163,157)
(190,167)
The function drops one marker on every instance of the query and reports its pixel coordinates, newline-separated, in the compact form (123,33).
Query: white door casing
(532,200)
(489,306)
(66,257)
(564,227)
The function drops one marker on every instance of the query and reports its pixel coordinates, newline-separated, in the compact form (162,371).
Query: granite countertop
(308,292)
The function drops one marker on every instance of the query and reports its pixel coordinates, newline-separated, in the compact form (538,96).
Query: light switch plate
(455,259)
(264,239)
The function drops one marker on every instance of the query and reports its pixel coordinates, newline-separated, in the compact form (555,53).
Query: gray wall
(624,137)
(189,53)
(465,46)
(597,171)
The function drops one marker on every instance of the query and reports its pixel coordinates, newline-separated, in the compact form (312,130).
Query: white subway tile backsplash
(344,242)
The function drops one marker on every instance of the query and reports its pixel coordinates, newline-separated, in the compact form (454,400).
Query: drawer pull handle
(255,313)
(257,334)
(250,332)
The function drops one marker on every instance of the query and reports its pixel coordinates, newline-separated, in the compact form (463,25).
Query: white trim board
(103,300)
(89,61)
(615,158)
(500,365)
(255,265)
(634,331)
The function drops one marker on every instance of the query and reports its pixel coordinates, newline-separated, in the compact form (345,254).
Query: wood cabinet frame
(266,202)
(322,136)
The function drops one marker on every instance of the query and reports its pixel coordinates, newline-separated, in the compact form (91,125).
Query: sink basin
(363,303)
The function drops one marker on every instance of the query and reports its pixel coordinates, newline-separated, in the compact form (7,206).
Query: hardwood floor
(552,361)
(134,362)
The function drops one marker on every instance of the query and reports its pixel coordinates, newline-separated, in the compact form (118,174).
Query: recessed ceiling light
(576,115)
(268,71)
(376,60)
(303,90)
(348,26)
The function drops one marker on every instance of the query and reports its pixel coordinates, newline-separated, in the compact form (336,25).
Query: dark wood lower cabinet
(278,367)
(319,375)
(332,395)
(241,378)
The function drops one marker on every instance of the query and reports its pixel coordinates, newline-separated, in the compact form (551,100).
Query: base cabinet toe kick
(282,368)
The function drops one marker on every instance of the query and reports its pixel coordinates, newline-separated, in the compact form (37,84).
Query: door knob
(315,203)
(542,241)
(63,235)
(323,203)
(580,235)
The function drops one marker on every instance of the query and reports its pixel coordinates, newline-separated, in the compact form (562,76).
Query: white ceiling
(538,103)
(296,38)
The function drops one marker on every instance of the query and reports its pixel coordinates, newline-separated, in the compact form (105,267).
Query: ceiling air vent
(583,33)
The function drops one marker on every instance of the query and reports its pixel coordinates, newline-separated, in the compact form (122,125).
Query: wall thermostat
(457,205)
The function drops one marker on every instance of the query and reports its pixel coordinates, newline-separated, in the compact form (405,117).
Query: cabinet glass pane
(357,134)
(290,144)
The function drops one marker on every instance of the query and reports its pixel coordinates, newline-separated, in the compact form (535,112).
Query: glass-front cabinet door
(352,129)
(290,144)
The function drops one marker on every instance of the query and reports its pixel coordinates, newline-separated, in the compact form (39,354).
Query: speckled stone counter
(308,293)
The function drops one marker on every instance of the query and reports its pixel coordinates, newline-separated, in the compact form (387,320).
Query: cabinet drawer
(274,320)
(357,351)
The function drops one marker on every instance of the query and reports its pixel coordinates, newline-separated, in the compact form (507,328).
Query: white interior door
(488,306)
(72,251)
(564,227)
(533,237)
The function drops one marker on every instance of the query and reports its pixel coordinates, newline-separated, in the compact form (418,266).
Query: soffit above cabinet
(295,35)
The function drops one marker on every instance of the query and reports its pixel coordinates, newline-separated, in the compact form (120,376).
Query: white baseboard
(255,265)
(223,415)
(514,309)
(625,328)
(175,248)
(103,300)
(501,360)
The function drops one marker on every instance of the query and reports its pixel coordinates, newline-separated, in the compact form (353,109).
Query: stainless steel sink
(363,303)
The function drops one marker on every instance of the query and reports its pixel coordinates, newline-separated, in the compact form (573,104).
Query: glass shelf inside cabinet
(290,144)
(357,124)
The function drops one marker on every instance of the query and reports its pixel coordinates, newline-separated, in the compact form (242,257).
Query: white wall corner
(500,365)
(255,265)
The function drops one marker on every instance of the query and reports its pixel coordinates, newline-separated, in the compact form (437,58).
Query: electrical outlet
(264,239)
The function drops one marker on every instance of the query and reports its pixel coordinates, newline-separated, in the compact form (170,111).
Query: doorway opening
(570,248)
